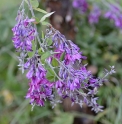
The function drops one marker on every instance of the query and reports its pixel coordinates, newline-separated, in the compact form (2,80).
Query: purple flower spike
(56,71)
(94,15)
(24,33)
(115,15)
(82,5)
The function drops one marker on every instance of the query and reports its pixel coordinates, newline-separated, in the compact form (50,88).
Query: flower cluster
(114,12)
(24,32)
(94,15)
(82,5)
(115,15)
(54,70)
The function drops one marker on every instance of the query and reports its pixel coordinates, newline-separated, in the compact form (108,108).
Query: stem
(63,66)
(32,12)
(22,4)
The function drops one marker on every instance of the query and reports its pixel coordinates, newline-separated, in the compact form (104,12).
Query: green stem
(32,12)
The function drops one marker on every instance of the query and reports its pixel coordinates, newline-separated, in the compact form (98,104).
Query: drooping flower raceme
(114,13)
(23,32)
(94,15)
(54,70)
(81,5)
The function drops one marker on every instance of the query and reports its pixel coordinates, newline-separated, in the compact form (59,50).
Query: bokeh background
(101,43)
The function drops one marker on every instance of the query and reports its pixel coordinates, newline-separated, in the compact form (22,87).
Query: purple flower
(70,76)
(94,15)
(24,33)
(62,74)
(115,15)
(82,5)
(35,69)
(39,91)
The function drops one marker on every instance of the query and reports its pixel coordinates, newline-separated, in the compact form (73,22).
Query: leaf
(45,23)
(45,55)
(33,46)
(62,56)
(46,16)
(40,10)
(40,52)
(55,62)
(49,41)
(50,77)
(31,54)
(34,3)
(49,69)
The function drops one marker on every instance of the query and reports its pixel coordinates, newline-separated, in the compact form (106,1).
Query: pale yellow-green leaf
(46,16)
(40,10)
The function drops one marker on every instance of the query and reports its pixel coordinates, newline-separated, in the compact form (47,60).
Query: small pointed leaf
(55,62)
(62,56)
(40,52)
(49,41)
(45,55)
(46,16)
(40,10)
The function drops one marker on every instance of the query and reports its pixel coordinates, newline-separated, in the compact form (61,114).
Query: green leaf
(40,52)
(45,55)
(50,77)
(62,56)
(45,23)
(55,62)
(34,3)
(49,69)
(40,10)
(33,46)
(31,54)
(46,16)
(49,41)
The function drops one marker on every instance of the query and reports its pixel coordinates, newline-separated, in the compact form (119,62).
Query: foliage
(101,42)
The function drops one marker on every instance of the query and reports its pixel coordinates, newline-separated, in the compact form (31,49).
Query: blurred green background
(102,44)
